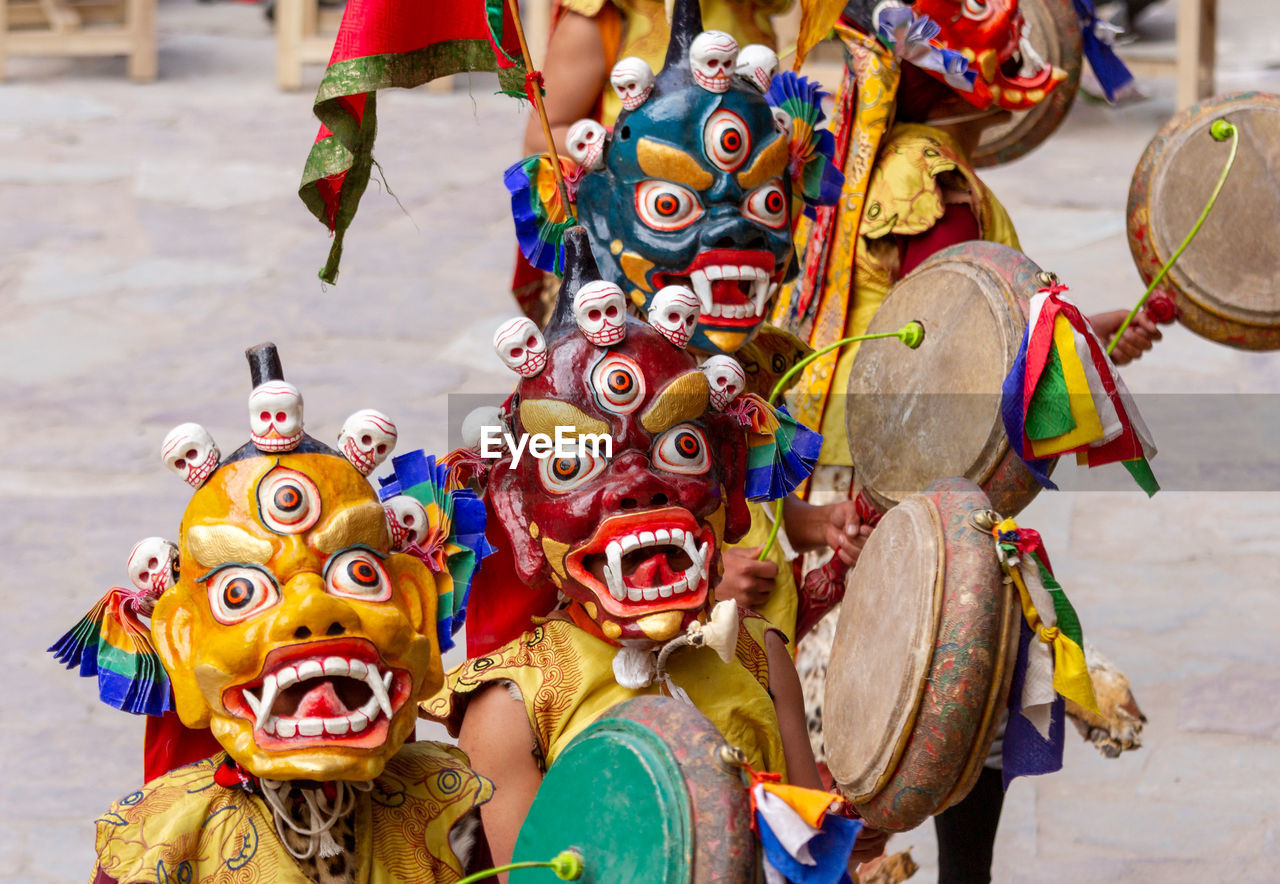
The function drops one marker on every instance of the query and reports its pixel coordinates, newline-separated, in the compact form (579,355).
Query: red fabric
(957,224)
(170,744)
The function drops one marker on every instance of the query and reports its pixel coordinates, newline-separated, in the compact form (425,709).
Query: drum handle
(911,334)
(567,866)
(1221,130)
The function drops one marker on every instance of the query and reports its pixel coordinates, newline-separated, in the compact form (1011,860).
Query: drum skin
(914,416)
(644,794)
(922,660)
(1055,33)
(1225,284)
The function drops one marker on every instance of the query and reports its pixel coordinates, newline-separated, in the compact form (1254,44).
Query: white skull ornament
(190,452)
(367,439)
(521,346)
(601,311)
(674,312)
(474,425)
(782,122)
(712,58)
(406,520)
(275,416)
(151,569)
(632,79)
(585,143)
(726,379)
(757,64)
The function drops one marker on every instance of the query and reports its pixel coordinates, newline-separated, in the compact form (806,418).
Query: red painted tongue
(653,571)
(321,702)
(727,291)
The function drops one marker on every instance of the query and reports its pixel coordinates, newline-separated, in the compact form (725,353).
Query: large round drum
(1055,35)
(647,793)
(914,416)
(1227,282)
(922,660)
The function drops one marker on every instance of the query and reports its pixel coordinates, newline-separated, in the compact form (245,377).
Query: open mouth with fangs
(645,562)
(336,692)
(734,287)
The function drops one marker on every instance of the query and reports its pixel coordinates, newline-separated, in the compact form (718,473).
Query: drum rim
(904,736)
(1152,166)
(957,259)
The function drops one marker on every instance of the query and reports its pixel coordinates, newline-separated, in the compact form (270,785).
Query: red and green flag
(385,43)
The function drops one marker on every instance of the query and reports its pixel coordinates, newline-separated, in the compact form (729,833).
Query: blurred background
(150,231)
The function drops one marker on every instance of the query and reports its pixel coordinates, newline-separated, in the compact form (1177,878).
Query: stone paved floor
(149,233)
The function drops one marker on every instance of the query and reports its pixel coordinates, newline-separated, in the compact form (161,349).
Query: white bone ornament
(712,58)
(674,312)
(601,310)
(585,143)
(521,347)
(782,122)
(757,64)
(632,79)
(275,416)
(151,565)
(190,451)
(406,520)
(475,423)
(367,439)
(726,379)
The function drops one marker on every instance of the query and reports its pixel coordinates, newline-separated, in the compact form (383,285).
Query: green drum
(650,793)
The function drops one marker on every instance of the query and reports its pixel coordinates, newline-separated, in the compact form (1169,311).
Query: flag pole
(535,95)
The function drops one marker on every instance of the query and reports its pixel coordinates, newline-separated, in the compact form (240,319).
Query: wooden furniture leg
(1197,50)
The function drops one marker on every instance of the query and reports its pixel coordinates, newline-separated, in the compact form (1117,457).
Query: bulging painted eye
(618,383)
(236,593)
(726,140)
(288,501)
(767,204)
(357,574)
(682,449)
(561,474)
(666,206)
(975,10)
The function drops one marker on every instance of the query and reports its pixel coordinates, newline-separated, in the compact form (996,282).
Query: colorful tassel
(112,643)
(1051,663)
(815,179)
(803,842)
(454,543)
(1063,396)
(540,216)
(781,451)
(1112,75)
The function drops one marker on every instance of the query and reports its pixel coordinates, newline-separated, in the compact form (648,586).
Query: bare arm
(788,699)
(574,73)
(497,738)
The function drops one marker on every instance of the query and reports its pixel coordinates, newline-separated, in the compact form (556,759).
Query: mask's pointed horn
(264,364)
(686,23)
(579,269)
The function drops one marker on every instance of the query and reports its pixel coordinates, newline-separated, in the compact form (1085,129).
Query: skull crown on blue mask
(694,185)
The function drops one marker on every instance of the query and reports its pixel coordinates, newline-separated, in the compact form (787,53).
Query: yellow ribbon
(1070,670)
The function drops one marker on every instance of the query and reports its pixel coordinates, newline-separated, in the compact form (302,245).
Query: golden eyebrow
(769,163)
(664,161)
(213,545)
(363,523)
(544,415)
(684,399)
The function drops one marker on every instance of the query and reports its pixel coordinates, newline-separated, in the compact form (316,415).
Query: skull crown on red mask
(633,539)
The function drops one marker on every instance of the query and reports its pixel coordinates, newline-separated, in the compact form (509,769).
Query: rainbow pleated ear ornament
(815,179)
(113,644)
(538,209)
(1051,666)
(781,451)
(441,524)
(1063,396)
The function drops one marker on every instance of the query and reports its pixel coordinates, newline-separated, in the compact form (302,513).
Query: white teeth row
(761,291)
(379,685)
(689,580)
